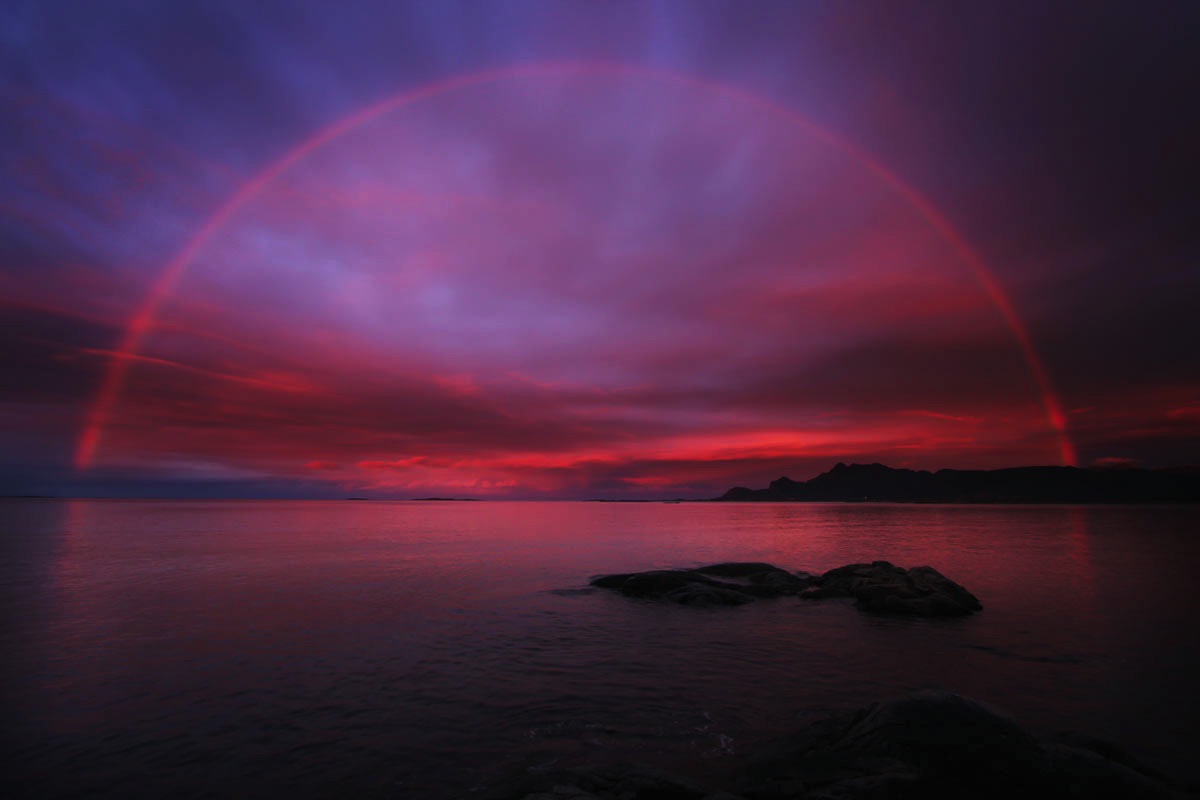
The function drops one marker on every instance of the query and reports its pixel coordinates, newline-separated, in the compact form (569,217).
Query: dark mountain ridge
(880,483)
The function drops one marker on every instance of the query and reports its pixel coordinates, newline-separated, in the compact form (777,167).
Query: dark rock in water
(700,594)
(687,587)
(884,588)
(656,583)
(940,745)
(745,581)
(879,587)
(927,744)
(760,579)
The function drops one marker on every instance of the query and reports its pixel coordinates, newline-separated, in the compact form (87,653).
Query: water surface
(420,649)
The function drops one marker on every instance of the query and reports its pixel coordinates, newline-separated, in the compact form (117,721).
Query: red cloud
(494,305)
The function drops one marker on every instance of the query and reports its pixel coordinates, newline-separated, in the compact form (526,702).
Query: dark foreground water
(371,649)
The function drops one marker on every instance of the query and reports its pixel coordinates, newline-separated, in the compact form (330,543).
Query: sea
(428,649)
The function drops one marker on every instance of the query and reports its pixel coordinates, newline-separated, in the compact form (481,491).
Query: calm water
(184,649)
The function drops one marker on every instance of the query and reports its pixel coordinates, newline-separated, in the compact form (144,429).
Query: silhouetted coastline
(880,483)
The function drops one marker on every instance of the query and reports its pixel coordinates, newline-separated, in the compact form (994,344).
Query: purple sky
(577,249)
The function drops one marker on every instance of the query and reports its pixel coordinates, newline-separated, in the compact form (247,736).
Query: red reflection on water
(1081,555)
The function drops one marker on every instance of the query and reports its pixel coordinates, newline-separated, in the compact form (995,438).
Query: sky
(585,249)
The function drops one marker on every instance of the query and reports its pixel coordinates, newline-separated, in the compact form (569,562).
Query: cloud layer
(658,278)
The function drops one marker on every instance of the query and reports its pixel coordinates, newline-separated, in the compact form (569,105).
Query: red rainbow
(142,321)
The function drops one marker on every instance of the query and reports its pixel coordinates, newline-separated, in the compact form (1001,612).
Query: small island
(883,484)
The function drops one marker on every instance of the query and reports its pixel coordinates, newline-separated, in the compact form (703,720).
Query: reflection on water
(415,649)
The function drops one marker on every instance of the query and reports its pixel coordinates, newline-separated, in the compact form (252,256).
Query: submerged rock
(879,587)
(927,744)
(884,588)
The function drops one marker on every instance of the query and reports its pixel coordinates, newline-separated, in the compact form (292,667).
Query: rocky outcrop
(940,745)
(726,584)
(884,588)
(927,744)
(879,587)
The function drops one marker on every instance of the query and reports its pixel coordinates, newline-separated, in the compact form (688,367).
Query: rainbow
(142,320)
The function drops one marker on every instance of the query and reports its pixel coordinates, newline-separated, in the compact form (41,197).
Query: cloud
(588,280)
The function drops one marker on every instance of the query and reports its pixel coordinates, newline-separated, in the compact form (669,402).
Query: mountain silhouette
(880,483)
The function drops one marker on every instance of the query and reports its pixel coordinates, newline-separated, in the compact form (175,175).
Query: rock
(745,581)
(700,594)
(683,586)
(943,735)
(884,588)
(927,744)
(1087,773)
(759,578)
(879,587)
(660,583)
(939,745)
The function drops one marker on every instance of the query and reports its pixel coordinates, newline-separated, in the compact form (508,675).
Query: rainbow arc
(142,321)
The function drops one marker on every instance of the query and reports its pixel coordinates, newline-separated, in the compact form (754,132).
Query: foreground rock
(879,587)
(924,745)
(941,745)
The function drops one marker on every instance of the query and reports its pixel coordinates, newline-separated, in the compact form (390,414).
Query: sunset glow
(535,277)
(378,231)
